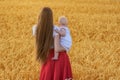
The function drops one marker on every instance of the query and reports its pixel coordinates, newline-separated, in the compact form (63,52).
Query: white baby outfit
(66,41)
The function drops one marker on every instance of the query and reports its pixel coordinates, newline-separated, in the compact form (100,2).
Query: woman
(45,41)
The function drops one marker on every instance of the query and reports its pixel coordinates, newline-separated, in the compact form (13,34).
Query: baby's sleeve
(34,28)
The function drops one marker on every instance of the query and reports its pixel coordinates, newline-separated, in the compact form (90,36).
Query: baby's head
(62,21)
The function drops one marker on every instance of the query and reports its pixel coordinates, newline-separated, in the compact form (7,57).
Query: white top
(66,41)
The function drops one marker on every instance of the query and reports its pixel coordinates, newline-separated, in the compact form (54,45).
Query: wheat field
(95,30)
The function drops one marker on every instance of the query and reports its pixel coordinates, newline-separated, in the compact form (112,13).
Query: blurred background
(95,30)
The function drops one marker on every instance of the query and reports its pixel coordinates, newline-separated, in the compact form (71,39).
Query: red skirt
(56,69)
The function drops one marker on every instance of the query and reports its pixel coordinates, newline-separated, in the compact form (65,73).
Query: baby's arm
(62,32)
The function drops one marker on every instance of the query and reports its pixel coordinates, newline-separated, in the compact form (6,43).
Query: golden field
(95,29)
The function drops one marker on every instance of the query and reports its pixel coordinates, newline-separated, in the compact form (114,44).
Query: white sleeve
(34,30)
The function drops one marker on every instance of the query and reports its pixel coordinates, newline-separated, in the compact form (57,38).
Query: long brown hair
(44,34)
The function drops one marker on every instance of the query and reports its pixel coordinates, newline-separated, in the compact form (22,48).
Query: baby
(64,41)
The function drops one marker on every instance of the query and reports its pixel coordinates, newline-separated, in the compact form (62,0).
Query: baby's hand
(57,31)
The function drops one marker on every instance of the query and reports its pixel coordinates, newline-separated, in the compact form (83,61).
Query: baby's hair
(62,20)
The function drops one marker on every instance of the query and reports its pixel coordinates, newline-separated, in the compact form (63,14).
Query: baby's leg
(56,54)
(56,46)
